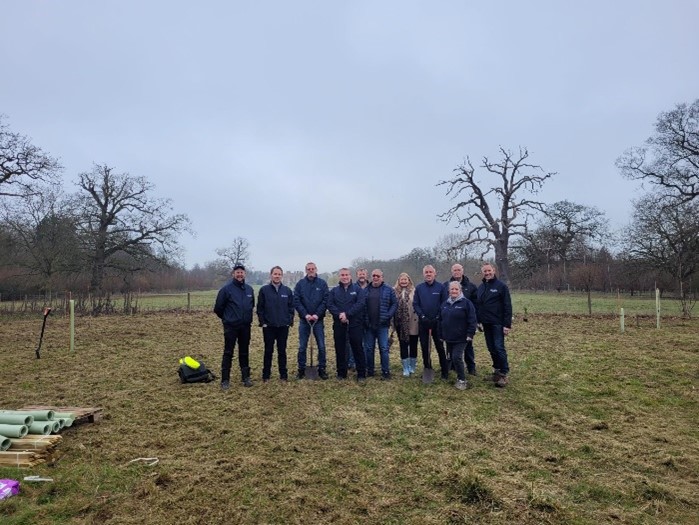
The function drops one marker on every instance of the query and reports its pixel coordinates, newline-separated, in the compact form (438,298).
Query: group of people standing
(366,314)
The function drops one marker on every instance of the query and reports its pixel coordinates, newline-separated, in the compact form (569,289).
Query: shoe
(361,381)
(301,374)
(501,381)
(284,379)
(461,385)
(385,376)
(247,382)
(322,374)
(473,373)
(265,379)
(225,385)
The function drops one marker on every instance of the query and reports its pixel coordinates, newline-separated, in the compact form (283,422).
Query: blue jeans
(304,335)
(371,336)
(495,340)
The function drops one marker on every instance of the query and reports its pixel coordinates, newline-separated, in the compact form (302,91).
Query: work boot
(406,367)
(245,373)
(501,380)
(322,374)
(385,376)
(225,385)
(301,373)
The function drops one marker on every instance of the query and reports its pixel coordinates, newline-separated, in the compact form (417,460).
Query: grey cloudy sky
(318,129)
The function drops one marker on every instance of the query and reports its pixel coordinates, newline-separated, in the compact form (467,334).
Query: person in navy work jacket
(429,296)
(311,301)
(494,312)
(275,312)
(346,304)
(470,292)
(458,325)
(234,306)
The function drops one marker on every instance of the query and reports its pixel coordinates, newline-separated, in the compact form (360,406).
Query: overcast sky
(318,129)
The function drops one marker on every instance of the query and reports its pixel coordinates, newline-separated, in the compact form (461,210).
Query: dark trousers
(231,335)
(470,356)
(424,335)
(408,348)
(495,340)
(272,335)
(344,335)
(456,351)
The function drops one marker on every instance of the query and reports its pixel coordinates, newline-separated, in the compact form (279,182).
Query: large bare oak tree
(120,220)
(670,159)
(495,210)
(22,164)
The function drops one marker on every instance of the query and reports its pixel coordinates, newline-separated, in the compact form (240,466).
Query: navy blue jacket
(388,304)
(349,300)
(311,297)
(275,307)
(494,303)
(234,303)
(458,321)
(428,300)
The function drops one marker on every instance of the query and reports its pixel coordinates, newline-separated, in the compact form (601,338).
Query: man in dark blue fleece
(427,304)
(275,312)
(234,305)
(494,311)
(311,301)
(346,304)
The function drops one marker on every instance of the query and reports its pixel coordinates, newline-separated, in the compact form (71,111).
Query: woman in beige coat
(405,323)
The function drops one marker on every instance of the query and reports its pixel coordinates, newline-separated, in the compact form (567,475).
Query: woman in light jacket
(405,323)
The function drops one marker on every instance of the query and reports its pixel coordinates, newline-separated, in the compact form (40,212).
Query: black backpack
(198,375)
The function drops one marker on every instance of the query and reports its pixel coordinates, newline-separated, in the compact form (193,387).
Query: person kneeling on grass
(458,326)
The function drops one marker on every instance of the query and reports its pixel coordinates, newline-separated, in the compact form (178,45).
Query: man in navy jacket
(311,301)
(275,312)
(381,305)
(494,311)
(346,304)
(234,305)
(427,303)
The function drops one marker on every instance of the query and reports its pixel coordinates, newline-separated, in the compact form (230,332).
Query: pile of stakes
(29,436)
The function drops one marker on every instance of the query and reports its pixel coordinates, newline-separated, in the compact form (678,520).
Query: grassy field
(597,426)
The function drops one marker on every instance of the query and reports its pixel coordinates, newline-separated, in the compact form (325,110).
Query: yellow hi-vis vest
(190,362)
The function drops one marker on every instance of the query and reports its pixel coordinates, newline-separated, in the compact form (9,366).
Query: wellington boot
(406,367)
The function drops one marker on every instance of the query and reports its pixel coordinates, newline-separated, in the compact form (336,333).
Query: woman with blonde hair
(405,323)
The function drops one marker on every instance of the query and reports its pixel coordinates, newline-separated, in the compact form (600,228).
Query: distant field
(533,303)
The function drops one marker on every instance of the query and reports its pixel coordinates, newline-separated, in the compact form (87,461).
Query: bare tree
(567,223)
(666,238)
(43,229)
(119,220)
(670,158)
(494,213)
(237,253)
(22,164)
